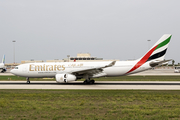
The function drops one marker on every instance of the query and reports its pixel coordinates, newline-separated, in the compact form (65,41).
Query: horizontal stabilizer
(157,63)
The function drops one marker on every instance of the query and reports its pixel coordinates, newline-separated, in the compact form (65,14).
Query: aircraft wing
(157,63)
(93,71)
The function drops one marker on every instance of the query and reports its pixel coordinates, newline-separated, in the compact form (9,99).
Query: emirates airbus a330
(72,71)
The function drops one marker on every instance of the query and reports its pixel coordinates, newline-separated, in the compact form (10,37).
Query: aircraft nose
(12,71)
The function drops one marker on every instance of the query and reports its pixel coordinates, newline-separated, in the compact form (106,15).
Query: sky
(109,29)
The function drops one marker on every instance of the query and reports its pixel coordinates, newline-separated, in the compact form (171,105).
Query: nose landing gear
(28,81)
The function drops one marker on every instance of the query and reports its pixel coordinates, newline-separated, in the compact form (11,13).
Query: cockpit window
(16,68)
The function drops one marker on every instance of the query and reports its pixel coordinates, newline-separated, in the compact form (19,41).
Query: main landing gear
(28,81)
(88,81)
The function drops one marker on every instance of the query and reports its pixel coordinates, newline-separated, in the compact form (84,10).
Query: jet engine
(3,70)
(65,77)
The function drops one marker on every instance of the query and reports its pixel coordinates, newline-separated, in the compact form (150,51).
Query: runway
(103,85)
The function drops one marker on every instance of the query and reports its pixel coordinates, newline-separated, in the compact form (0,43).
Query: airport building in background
(81,57)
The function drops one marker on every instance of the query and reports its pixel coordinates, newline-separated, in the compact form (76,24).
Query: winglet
(111,64)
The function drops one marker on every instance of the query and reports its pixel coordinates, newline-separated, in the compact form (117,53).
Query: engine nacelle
(65,78)
(3,70)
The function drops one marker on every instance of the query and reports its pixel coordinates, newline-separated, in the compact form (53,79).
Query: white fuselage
(2,66)
(71,71)
(51,69)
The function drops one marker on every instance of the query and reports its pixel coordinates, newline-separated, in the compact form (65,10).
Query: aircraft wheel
(85,82)
(89,82)
(92,81)
(28,81)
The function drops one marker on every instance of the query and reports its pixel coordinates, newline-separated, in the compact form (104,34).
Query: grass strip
(121,78)
(89,104)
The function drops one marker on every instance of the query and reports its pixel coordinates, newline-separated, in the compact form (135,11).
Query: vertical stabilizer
(159,49)
(156,53)
(3,59)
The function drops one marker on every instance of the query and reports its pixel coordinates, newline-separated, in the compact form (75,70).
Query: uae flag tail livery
(155,56)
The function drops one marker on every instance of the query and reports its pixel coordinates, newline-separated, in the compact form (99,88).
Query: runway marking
(97,83)
(126,85)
